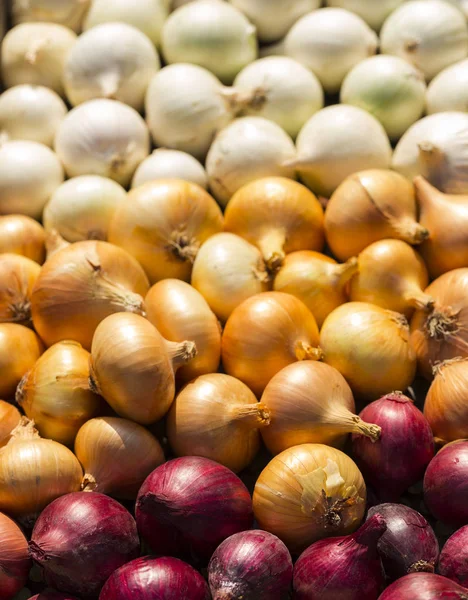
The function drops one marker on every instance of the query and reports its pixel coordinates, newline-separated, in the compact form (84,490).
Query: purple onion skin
(399,458)
(189,505)
(80,539)
(409,544)
(342,568)
(151,578)
(453,562)
(424,586)
(52,595)
(446,484)
(252,565)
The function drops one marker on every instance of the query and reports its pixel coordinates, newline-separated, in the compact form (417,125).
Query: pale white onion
(430,34)
(329,42)
(462,5)
(29,175)
(102,137)
(170,164)
(30,112)
(437,148)
(448,91)
(64,12)
(374,12)
(211,34)
(390,89)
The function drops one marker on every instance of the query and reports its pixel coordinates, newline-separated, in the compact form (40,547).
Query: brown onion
(22,235)
(20,347)
(18,275)
(9,419)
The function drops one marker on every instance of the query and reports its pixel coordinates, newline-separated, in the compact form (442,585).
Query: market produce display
(233,300)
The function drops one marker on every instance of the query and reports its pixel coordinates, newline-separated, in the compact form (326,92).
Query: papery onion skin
(253,565)
(14,558)
(453,557)
(170,164)
(447,91)
(424,586)
(373,14)
(18,275)
(22,235)
(189,505)
(20,348)
(9,419)
(83,533)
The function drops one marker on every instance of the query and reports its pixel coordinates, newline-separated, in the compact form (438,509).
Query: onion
(391,275)
(429,34)
(102,137)
(370,206)
(330,42)
(83,533)
(218,417)
(424,586)
(50,594)
(22,235)
(20,347)
(453,557)
(337,142)
(35,53)
(373,13)
(117,456)
(31,113)
(64,12)
(163,223)
(189,505)
(347,566)
(170,164)
(14,558)
(9,419)
(227,271)
(133,367)
(447,91)
(18,275)
(309,492)
(253,565)
(248,149)
(370,347)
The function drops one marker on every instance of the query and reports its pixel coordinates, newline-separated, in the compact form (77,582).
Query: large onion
(20,348)
(18,275)
(9,419)
(22,235)
(448,90)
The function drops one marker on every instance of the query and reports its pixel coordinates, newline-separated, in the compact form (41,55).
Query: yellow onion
(318,280)
(391,275)
(370,206)
(310,402)
(266,333)
(307,493)
(9,419)
(181,313)
(34,472)
(20,347)
(20,234)
(53,393)
(216,416)
(81,285)
(117,456)
(54,242)
(278,216)
(370,347)
(18,275)
(133,367)
(163,223)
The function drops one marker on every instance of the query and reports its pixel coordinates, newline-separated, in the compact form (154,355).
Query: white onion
(35,53)
(288,93)
(329,42)
(448,91)
(430,34)
(337,141)
(146,15)
(30,112)
(462,5)
(374,12)
(245,150)
(29,175)
(82,208)
(211,34)
(64,12)
(113,60)
(170,164)
(437,148)
(390,89)
(102,137)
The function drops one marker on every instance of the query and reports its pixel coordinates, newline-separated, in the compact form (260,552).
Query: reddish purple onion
(52,595)
(424,586)
(252,565)
(398,459)
(188,506)
(14,558)
(163,578)
(409,544)
(342,567)
(80,539)
(446,484)
(453,562)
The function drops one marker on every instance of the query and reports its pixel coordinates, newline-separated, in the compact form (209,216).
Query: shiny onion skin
(342,567)
(20,348)
(252,565)
(266,333)
(9,419)
(18,275)
(453,561)
(81,539)
(400,456)
(164,578)
(81,285)
(189,505)
(424,586)
(309,492)
(22,235)
(14,558)
(181,313)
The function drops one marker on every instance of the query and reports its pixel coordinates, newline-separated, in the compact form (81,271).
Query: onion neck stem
(254,416)
(370,532)
(271,246)
(410,231)
(25,430)
(416,298)
(346,271)
(181,353)
(304,351)
(441,323)
(54,242)
(183,247)
(238,100)
(367,429)
(433,158)
(88,483)
(421,566)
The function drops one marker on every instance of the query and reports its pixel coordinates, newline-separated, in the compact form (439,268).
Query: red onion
(398,459)
(342,567)
(453,562)
(52,595)
(252,565)
(163,578)
(409,544)
(189,505)
(424,586)
(14,558)
(80,539)
(446,484)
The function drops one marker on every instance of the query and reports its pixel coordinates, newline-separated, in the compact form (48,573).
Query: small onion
(454,559)
(9,419)
(170,164)
(20,348)
(373,13)
(424,586)
(64,12)
(14,558)
(18,275)
(448,90)
(22,235)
